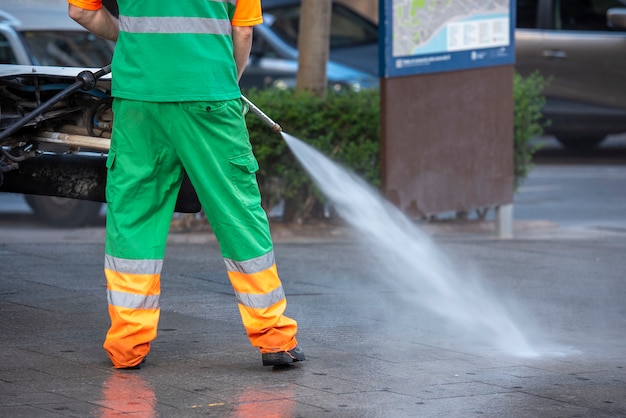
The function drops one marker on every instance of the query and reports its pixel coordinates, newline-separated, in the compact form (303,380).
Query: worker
(177,107)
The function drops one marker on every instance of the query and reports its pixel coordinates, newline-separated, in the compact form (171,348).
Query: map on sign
(434,26)
(427,36)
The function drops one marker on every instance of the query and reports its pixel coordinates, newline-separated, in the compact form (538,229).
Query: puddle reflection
(279,403)
(127,394)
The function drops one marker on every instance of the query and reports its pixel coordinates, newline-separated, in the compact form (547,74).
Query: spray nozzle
(266,119)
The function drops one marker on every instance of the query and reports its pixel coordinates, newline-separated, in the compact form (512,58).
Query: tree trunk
(313,46)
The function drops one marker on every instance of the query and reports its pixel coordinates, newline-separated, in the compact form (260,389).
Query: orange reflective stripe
(268,329)
(257,318)
(258,290)
(141,284)
(262,282)
(262,304)
(128,339)
(133,308)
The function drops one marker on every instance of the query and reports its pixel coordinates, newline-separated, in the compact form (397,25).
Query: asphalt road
(576,190)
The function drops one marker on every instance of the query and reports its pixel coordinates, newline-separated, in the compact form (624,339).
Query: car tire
(63,212)
(581,144)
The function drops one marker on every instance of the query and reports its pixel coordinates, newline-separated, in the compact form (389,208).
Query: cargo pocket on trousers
(243,176)
(110,159)
(109,165)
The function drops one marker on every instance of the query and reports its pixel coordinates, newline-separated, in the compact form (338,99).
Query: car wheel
(64,212)
(580,144)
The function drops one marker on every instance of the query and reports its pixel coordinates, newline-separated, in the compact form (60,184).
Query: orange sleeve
(247,13)
(86,4)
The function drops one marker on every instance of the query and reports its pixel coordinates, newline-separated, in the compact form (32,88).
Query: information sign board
(426,36)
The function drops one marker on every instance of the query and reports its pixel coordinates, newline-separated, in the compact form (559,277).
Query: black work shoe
(283,357)
(135,367)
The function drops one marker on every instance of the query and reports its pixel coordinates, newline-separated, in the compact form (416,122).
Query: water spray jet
(461,301)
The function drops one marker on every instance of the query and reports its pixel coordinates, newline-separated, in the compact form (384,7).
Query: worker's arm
(99,22)
(242,43)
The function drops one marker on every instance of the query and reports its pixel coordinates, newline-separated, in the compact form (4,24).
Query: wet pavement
(373,349)
(371,352)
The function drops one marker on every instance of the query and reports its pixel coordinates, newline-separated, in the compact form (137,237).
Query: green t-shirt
(173,51)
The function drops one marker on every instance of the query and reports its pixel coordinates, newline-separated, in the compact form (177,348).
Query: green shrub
(345,126)
(527,125)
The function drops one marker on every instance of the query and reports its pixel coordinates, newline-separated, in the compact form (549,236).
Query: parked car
(353,60)
(44,35)
(580,47)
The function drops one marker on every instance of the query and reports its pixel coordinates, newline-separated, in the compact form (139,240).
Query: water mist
(410,257)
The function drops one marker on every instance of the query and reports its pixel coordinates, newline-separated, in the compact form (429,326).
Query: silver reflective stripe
(202,25)
(233,2)
(255,265)
(124,265)
(261,301)
(132,300)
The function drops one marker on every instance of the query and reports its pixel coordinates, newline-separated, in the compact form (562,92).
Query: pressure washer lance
(266,119)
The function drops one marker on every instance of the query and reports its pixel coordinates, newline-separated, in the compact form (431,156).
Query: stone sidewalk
(374,348)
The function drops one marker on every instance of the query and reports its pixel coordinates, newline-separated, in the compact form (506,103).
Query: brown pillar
(447,140)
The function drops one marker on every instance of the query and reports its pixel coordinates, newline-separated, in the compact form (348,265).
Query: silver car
(580,47)
(353,60)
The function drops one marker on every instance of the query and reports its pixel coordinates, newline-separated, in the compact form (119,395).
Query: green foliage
(345,126)
(527,124)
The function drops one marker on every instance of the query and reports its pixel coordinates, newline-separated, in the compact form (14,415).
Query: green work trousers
(152,144)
